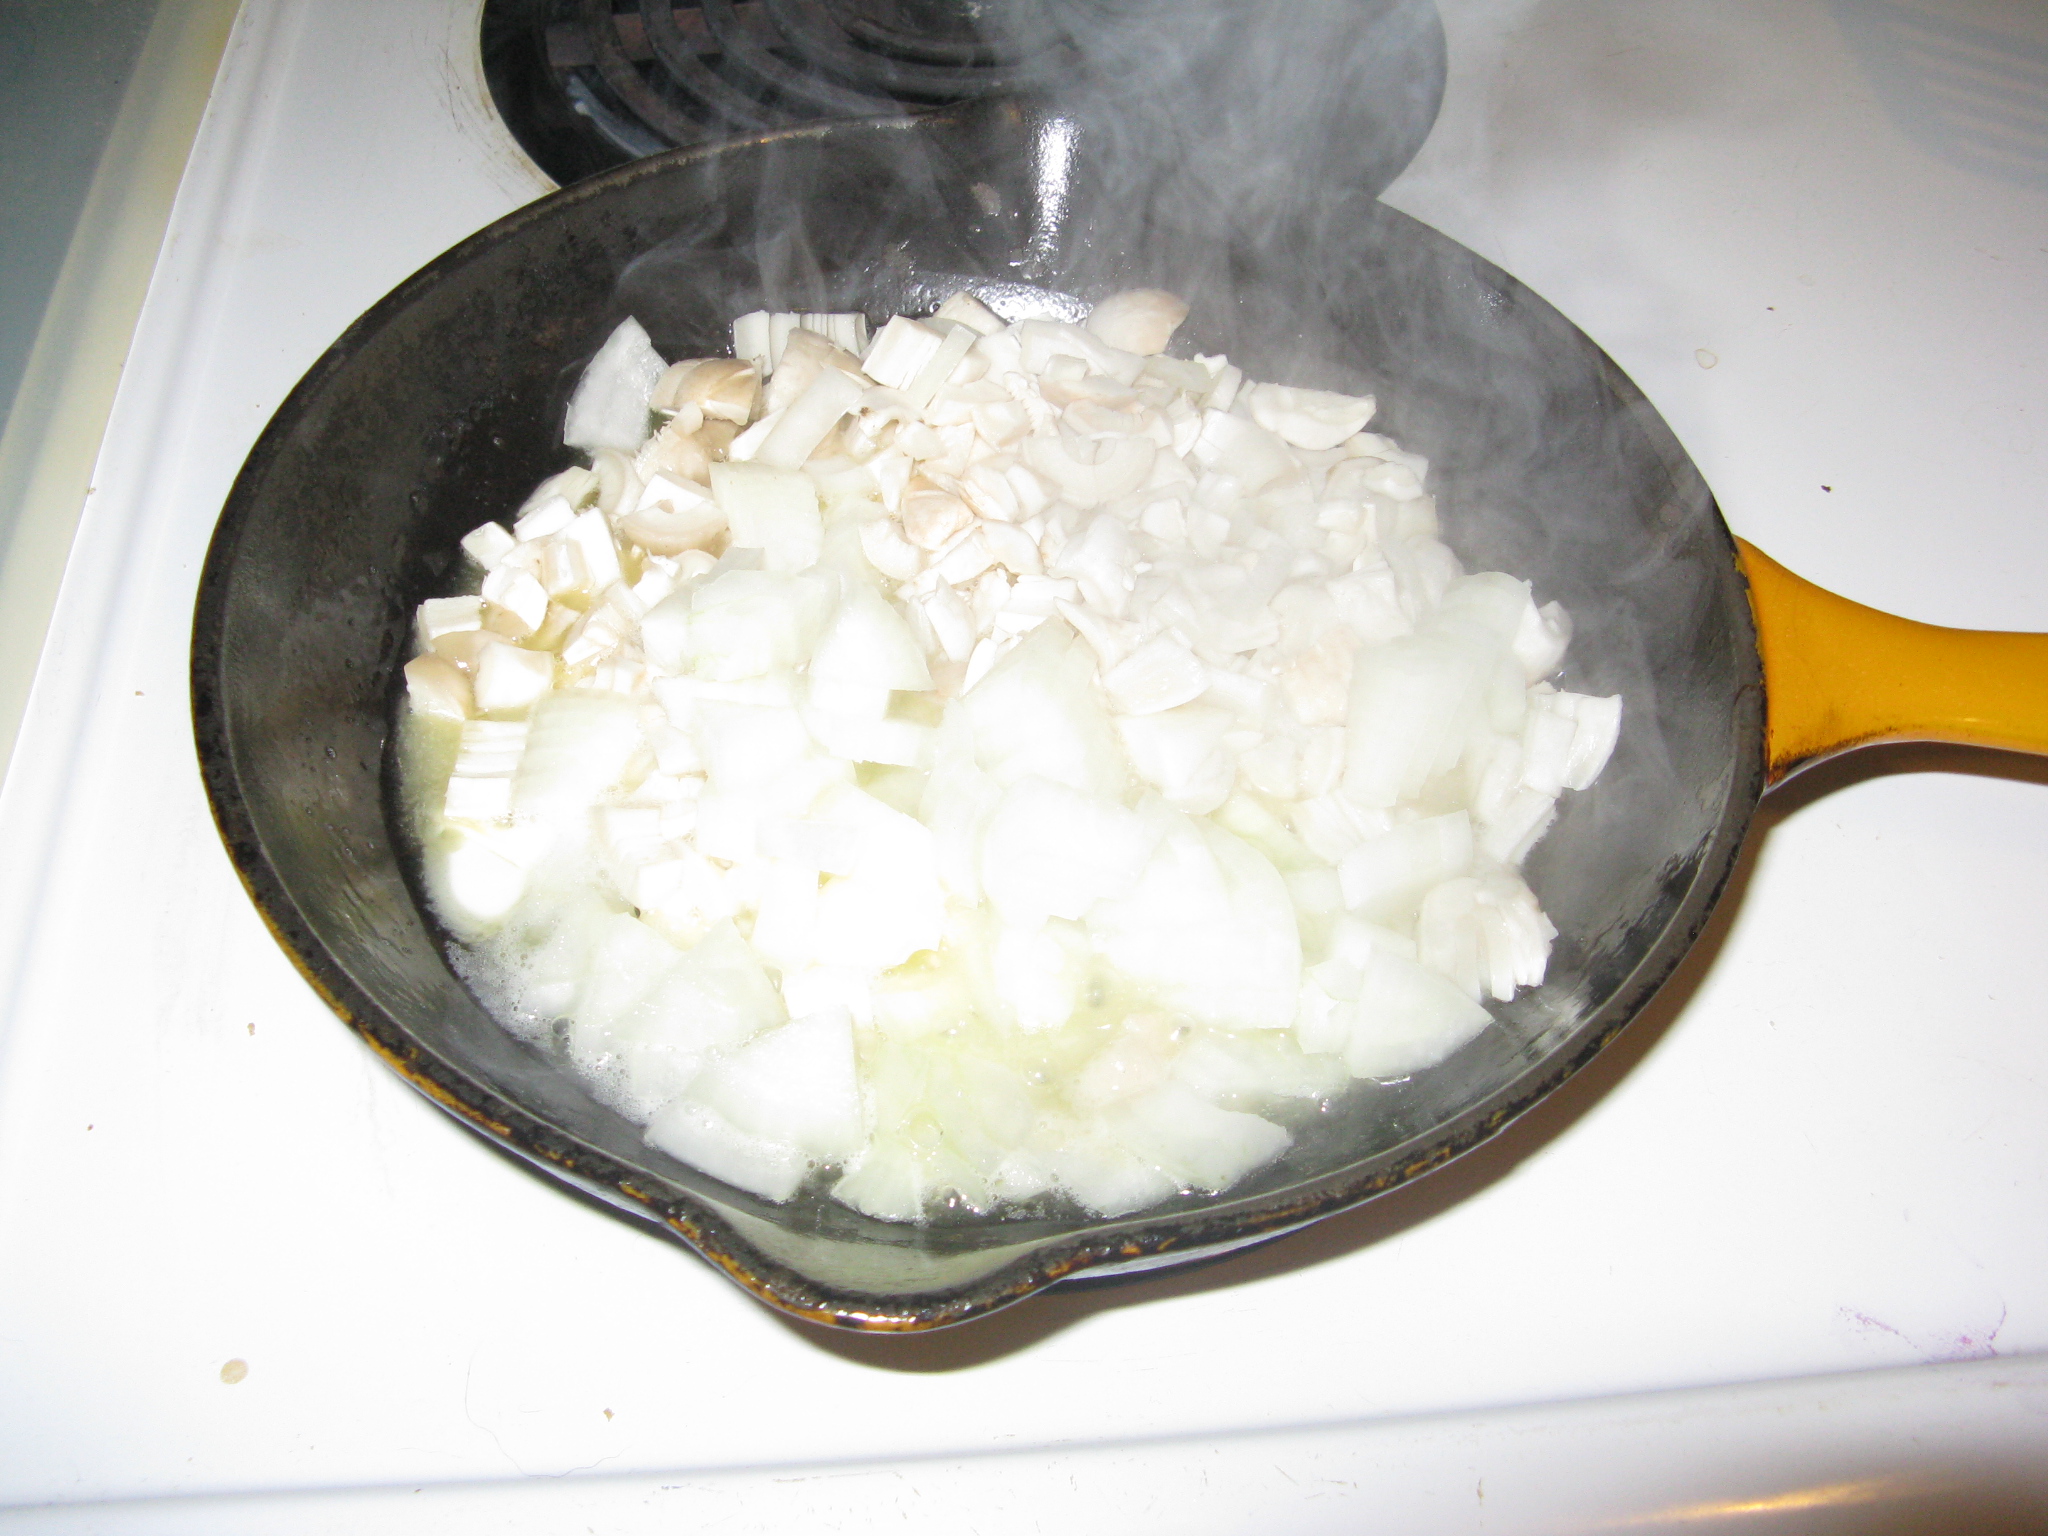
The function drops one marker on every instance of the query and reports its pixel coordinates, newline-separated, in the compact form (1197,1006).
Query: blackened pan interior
(442,407)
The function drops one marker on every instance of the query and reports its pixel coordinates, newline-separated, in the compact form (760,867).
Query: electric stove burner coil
(588,84)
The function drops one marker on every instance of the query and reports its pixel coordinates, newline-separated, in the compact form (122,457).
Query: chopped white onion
(1092,753)
(609,407)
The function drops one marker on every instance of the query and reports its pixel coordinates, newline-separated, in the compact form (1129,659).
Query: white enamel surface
(1823,1151)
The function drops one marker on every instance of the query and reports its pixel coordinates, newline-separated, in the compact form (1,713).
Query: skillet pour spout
(444,403)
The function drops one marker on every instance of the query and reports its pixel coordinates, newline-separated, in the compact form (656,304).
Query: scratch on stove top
(1948,1349)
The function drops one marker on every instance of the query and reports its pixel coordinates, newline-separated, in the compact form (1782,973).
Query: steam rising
(1218,115)
(1232,153)
(1179,129)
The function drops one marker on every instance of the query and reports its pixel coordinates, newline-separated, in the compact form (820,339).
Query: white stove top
(1816,234)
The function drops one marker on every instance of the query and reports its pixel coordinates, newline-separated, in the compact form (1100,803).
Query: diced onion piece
(618,480)
(888,551)
(1566,739)
(1051,851)
(1225,379)
(1158,675)
(1104,1175)
(745,624)
(1012,548)
(816,988)
(1387,876)
(1274,767)
(677,451)
(509,678)
(464,646)
(1040,973)
(480,787)
(1486,934)
(772,510)
(795,1085)
(741,449)
(1398,481)
(647,1015)
(1411,703)
(1599,726)
(813,845)
(949,619)
(888,1181)
(1176,1129)
(573,485)
(964,558)
(1509,834)
(576,747)
(491,747)
(1188,378)
(1037,712)
(932,518)
(868,642)
(758,338)
(609,407)
(711,996)
(1541,639)
(746,744)
(562,570)
(891,907)
(846,330)
(1181,753)
(477,799)
(1210,928)
(862,739)
(1406,1018)
(705,1139)
(1547,734)
(481,882)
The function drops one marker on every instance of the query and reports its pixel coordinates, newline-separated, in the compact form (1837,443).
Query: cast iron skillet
(443,405)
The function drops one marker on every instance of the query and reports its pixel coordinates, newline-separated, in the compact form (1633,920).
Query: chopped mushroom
(1141,320)
(722,388)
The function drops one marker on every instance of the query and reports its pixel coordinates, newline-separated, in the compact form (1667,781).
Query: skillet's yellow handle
(1839,675)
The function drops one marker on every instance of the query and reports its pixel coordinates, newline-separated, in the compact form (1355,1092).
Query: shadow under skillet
(1891,759)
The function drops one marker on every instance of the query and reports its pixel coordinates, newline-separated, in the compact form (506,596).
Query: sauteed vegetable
(985,763)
